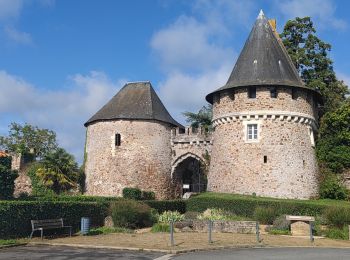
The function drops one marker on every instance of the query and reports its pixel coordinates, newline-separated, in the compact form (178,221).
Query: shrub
(38,188)
(168,216)
(331,188)
(281,223)
(242,205)
(131,214)
(160,227)
(213,214)
(265,215)
(15,216)
(7,182)
(148,195)
(132,193)
(337,216)
(165,205)
(337,233)
(191,215)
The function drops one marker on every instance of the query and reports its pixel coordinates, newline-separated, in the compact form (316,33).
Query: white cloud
(182,92)
(186,45)
(194,52)
(322,11)
(10,8)
(18,36)
(64,111)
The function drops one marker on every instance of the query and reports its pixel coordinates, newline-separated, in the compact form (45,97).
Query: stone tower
(265,122)
(128,144)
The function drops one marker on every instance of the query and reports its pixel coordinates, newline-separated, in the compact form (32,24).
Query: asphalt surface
(64,253)
(270,254)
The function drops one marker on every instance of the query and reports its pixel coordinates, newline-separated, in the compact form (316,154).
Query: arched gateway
(190,161)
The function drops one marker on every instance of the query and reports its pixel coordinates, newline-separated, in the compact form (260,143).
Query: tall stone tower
(265,120)
(128,144)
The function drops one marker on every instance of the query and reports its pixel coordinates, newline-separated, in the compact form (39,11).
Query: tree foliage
(202,118)
(59,171)
(27,139)
(310,56)
(333,146)
(7,178)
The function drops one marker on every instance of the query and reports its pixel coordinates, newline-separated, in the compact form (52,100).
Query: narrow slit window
(117,139)
(294,94)
(252,92)
(273,92)
(252,132)
(265,159)
(232,95)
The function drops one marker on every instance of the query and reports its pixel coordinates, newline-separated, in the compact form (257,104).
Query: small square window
(252,92)
(252,132)
(232,95)
(294,93)
(273,92)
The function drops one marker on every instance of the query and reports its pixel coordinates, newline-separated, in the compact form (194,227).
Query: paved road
(65,253)
(270,254)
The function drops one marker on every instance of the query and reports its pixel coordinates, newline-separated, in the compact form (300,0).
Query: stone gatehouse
(264,121)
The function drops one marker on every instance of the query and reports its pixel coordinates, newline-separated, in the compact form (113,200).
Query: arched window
(117,139)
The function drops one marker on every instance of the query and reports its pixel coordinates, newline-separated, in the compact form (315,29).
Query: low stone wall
(238,227)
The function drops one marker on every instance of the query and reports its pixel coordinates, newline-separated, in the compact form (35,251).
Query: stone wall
(238,166)
(304,103)
(236,227)
(142,160)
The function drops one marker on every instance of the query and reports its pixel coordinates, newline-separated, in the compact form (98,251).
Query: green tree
(333,146)
(7,178)
(59,171)
(310,56)
(202,118)
(27,139)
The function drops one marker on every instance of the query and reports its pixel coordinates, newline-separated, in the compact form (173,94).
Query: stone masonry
(282,162)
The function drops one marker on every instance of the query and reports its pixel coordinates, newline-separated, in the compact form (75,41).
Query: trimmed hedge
(246,205)
(15,216)
(71,198)
(132,193)
(166,205)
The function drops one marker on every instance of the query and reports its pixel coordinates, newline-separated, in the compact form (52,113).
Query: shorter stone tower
(128,144)
(265,119)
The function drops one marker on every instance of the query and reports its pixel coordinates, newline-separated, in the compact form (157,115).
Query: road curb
(14,245)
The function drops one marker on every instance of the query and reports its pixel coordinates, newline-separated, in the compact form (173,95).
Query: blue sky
(60,61)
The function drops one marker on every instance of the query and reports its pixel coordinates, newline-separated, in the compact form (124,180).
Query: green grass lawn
(8,242)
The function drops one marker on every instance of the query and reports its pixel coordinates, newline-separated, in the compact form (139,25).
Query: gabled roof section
(136,100)
(263,61)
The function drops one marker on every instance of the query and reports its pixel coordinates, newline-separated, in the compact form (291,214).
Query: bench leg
(42,234)
(70,231)
(31,235)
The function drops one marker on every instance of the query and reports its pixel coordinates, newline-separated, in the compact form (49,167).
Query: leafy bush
(281,223)
(165,205)
(331,188)
(242,205)
(132,193)
(7,182)
(148,195)
(337,216)
(213,214)
(337,233)
(160,227)
(131,214)
(15,216)
(38,188)
(265,215)
(168,216)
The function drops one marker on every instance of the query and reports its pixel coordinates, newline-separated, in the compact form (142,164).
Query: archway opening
(189,176)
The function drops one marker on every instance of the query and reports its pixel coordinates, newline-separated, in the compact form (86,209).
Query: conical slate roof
(136,100)
(263,61)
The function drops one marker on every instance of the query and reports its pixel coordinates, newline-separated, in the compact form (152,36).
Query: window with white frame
(252,132)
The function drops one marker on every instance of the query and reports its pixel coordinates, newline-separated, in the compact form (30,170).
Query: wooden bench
(40,225)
